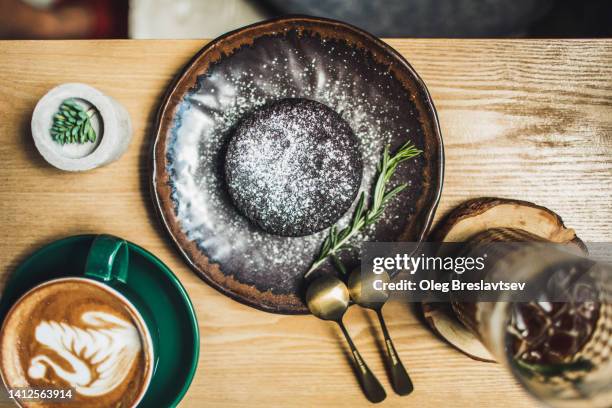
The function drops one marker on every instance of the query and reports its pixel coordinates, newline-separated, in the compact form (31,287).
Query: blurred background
(384,18)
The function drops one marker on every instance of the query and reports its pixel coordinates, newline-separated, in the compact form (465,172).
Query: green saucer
(153,282)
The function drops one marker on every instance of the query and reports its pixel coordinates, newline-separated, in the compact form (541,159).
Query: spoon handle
(369,383)
(400,380)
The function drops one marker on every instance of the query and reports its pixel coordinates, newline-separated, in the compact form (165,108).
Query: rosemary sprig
(72,124)
(337,241)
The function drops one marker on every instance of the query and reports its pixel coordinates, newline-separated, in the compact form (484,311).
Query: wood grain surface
(523,119)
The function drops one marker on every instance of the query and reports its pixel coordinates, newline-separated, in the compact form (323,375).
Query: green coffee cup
(144,281)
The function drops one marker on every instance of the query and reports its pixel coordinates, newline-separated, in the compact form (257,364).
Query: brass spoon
(363,293)
(328,298)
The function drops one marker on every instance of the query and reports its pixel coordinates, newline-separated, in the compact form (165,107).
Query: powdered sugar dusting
(293,167)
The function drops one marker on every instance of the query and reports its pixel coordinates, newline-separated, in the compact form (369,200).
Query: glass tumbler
(557,338)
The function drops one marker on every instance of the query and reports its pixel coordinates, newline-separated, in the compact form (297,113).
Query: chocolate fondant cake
(293,167)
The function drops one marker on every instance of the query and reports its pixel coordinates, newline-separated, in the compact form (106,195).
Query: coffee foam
(77,334)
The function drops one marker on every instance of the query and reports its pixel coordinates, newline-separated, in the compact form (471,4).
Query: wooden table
(520,118)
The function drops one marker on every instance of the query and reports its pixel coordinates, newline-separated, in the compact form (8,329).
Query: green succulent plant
(72,124)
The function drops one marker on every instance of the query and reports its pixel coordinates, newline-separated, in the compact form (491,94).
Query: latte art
(81,335)
(100,355)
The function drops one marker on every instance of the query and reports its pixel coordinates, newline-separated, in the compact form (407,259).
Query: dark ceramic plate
(363,79)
